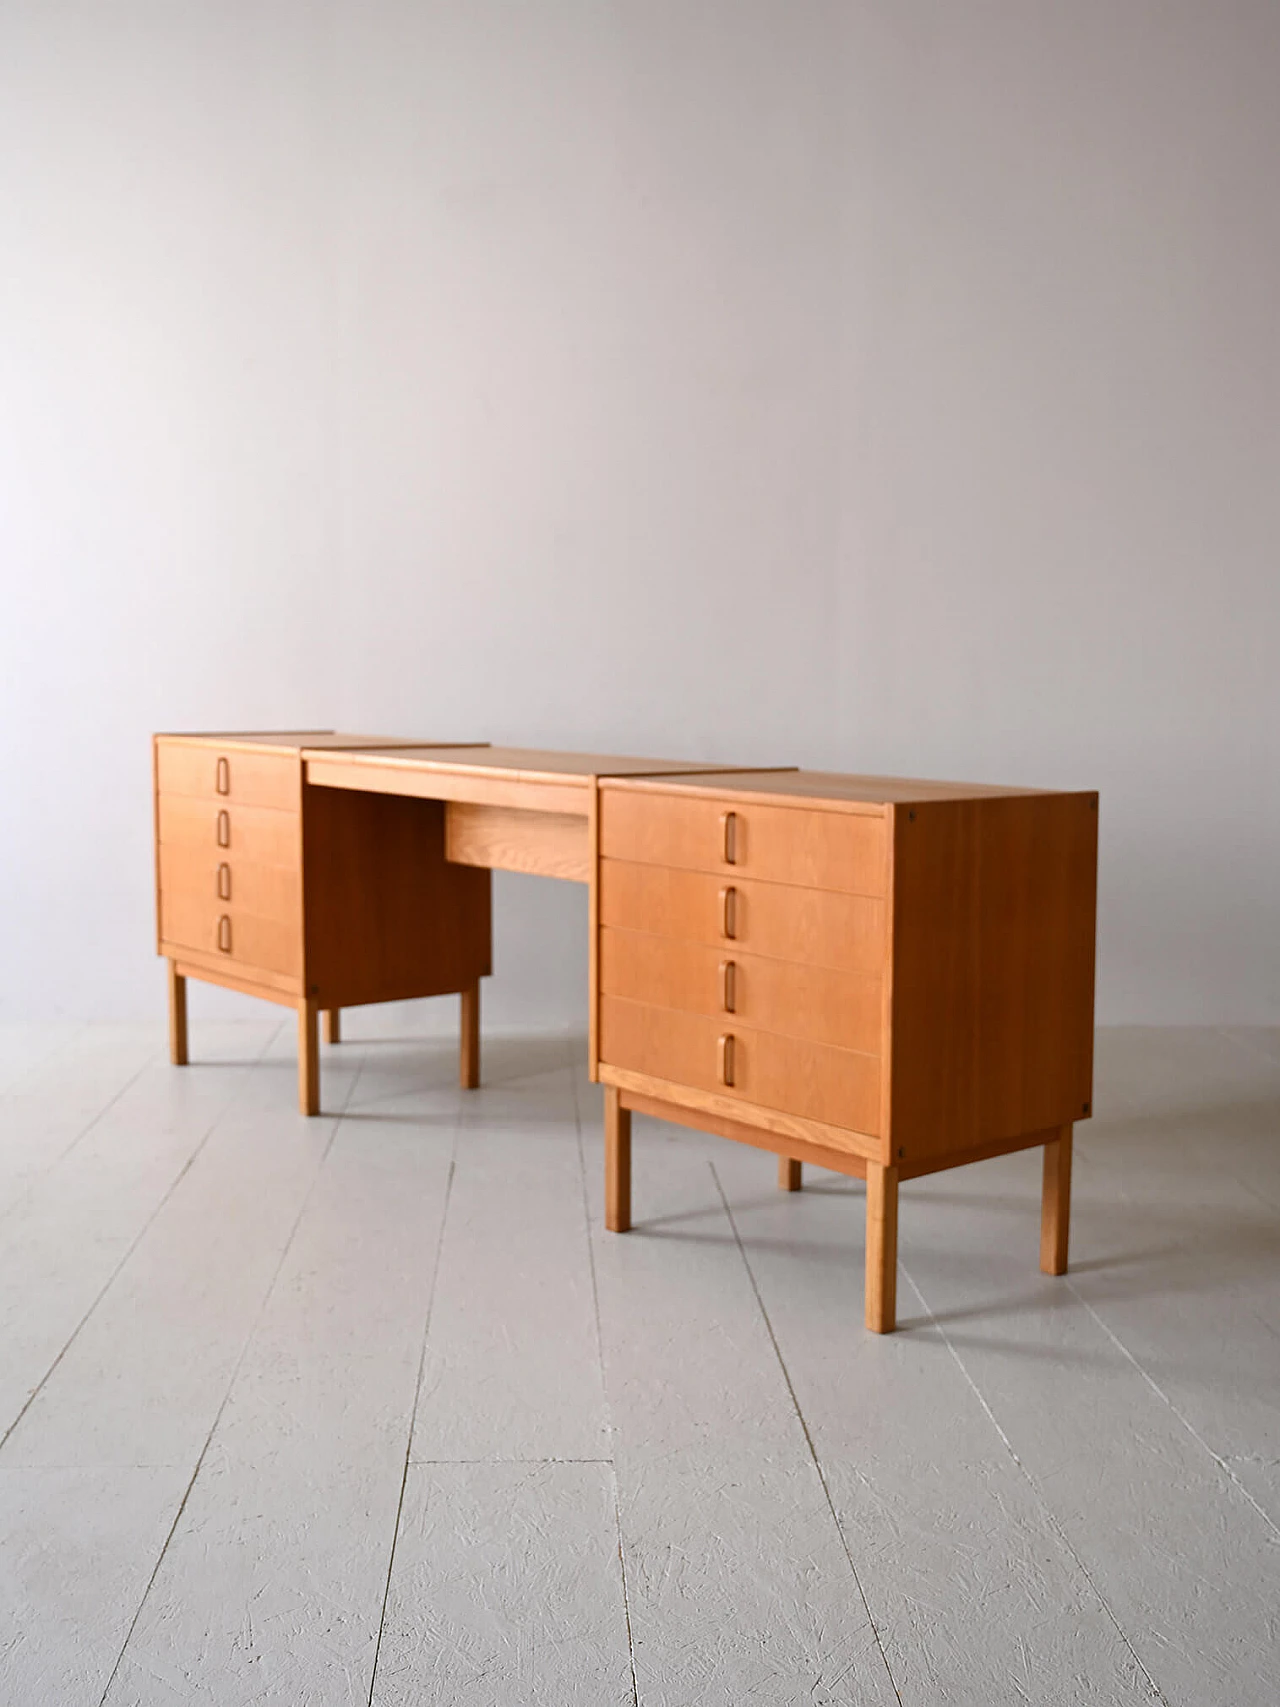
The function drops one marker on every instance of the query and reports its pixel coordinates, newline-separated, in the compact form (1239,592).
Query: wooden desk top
(529,778)
(519,763)
(296,740)
(851,793)
(537,779)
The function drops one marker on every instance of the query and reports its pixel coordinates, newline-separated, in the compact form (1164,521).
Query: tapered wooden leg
(308,1058)
(469,1049)
(1055,1204)
(882,1248)
(177,1016)
(617,1162)
(788,1174)
(333,1025)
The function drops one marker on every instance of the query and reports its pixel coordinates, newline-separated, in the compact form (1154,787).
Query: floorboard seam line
(1160,1393)
(808,1438)
(511,1461)
(604,1388)
(79,1137)
(1050,1515)
(109,1282)
(231,1382)
(413,1412)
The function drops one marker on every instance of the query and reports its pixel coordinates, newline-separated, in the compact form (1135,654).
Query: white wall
(889,385)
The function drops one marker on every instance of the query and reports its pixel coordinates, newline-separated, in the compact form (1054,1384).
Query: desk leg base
(617,1162)
(308,1058)
(333,1025)
(469,1044)
(882,1248)
(177,1016)
(789,1175)
(1055,1204)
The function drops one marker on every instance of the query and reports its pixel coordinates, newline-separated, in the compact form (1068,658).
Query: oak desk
(881,976)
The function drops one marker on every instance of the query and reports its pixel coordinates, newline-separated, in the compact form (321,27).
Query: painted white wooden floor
(369,1409)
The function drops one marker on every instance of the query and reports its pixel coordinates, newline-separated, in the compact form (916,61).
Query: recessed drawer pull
(729,912)
(224,776)
(224,828)
(729,837)
(726,1051)
(729,986)
(224,934)
(224,881)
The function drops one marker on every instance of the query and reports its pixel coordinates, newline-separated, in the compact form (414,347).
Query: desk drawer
(816,1003)
(209,772)
(783,844)
(217,877)
(252,834)
(813,927)
(812,1080)
(231,933)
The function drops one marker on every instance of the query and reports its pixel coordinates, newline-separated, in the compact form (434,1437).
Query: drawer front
(816,1003)
(811,1080)
(252,834)
(208,772)
(783,844)
(216,877)
(814,927)
(241,938)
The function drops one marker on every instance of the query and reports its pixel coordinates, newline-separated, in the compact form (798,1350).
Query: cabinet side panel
(387,916)
(1038,891)
(593,934)
(155,834)
(994,909)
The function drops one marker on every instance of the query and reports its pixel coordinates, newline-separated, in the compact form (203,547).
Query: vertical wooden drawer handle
(224,776)
(726,1050)
(729,912)
(224,934)
(729,986)
(224,828)
(729,837)
(224,881)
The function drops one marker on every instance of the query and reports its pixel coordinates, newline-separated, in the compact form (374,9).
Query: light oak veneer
(305,897)
(947,931)
(876,975)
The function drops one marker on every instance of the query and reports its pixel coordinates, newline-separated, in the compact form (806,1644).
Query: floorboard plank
(738,1581)
(506,1590)
(1167,1270)
(1185,1561)
(513,1359)
(946,1531)
(143,1379)
(63,1243)
(76,1550)
(272,1588)
(60,1100)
